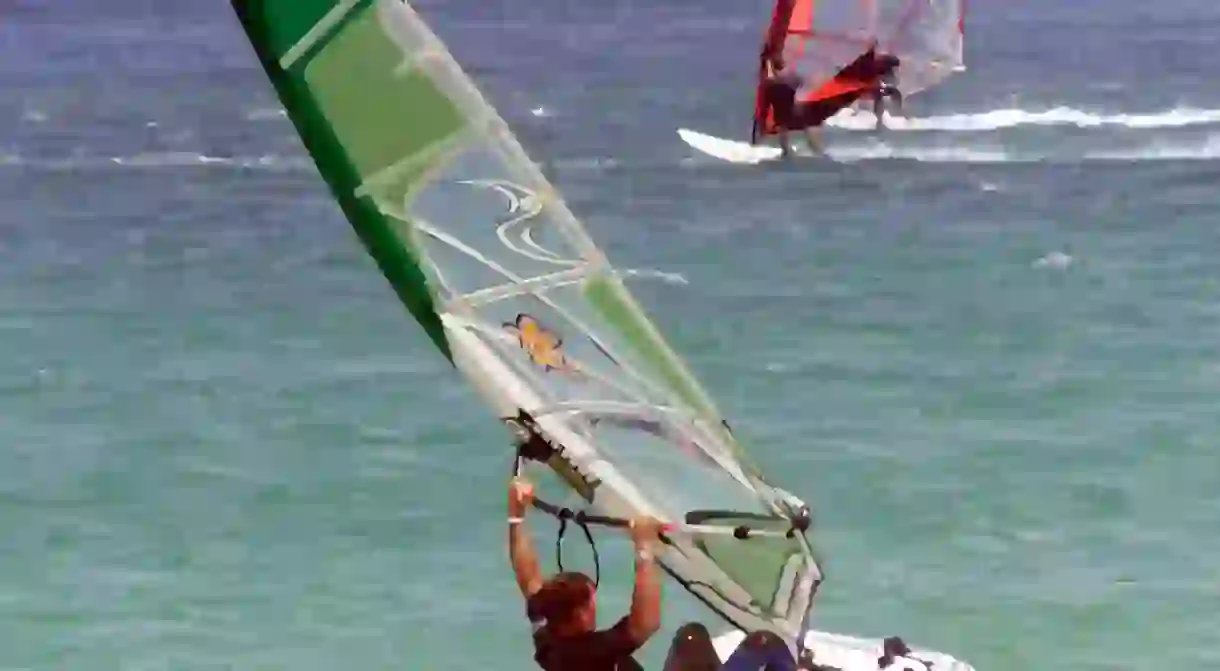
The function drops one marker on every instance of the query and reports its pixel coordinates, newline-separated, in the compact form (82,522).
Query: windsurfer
(563,608)
(886,87)
(780,92)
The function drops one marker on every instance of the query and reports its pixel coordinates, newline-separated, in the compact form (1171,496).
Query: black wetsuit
(606,650)
(781,97)
(887,86)
(887,78)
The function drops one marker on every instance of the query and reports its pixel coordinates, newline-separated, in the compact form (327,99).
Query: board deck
(738,152)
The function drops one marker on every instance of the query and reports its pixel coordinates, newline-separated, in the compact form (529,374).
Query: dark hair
(560,597)
(890,648)
(692,650)
(895,646)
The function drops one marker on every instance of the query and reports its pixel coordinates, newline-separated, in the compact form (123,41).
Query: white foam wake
(266,114)
(852,119)
(1207,149)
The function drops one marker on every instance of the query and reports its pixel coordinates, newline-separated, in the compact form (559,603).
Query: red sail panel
(859,76)
(824,42)
(845,88)
(799,30)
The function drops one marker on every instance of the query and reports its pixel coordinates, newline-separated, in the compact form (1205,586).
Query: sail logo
(516,231)
(542,346)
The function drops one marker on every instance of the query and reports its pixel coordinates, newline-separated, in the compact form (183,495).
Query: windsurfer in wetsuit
(781,85)
(886,87)
(563,609)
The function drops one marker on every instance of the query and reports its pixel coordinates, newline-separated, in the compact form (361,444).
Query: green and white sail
(511,289)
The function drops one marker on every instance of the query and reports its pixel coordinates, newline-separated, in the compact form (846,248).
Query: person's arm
(644,619)
(520,549)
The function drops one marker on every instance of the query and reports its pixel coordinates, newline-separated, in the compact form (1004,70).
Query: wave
(266,114)
(864,120)
(843,151)
(166,159)
(1204,149)
(852,119)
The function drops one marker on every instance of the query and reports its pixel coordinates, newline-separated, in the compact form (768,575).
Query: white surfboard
(728,150)
(735,151)
(850,653)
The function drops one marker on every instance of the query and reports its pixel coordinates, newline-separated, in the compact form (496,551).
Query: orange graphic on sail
(540,343)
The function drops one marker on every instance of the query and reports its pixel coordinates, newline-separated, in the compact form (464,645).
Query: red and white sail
(830,44)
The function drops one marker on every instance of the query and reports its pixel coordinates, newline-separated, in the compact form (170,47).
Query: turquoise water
(985,352)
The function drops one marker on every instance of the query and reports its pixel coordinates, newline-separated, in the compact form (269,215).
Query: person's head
(890,648)
(692,650)
(567,603)
(895,646)
(761,646)
(777,62)
(889,62)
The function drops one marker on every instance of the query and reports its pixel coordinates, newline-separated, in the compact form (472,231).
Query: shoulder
(617,639)
(619,626)
(594,649)
(540,637)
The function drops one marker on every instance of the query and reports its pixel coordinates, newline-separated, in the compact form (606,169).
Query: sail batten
(317,32)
